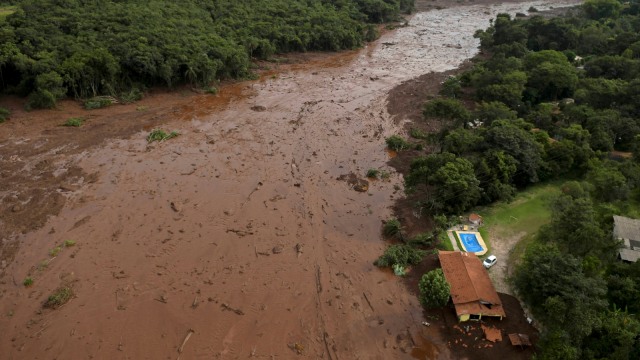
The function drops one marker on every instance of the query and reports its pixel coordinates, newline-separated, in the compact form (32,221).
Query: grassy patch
(524,215)
(27,282)
(74,122)
(160,135)
(61,296)
(69,243)
(55,251)
(6,11)
(4,114)
(443,241)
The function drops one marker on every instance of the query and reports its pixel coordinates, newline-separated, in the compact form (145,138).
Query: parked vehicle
(490,261)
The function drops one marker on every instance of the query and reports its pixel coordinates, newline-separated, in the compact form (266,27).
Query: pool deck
(478,237)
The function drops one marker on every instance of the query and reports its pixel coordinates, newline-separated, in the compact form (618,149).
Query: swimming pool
(472,242)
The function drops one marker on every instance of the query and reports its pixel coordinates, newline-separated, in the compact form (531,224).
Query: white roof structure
(627,230)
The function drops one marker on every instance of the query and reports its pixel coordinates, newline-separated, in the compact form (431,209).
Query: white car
(490,261)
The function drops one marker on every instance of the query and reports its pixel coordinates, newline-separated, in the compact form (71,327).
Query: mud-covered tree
(434,289)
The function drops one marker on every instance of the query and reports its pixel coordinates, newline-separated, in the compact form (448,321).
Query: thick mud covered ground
(242,237)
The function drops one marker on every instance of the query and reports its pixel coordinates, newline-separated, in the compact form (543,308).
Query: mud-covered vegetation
(551,99)
(53,49)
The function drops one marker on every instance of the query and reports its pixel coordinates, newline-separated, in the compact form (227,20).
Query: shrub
(69,243)
(74,122)
(59,297)
(446,109)
(160,135)
(4,114)
(397,143)
(373,173)
(211,90)
(434,289)
(418,134)
(97,103)
(392,228)
(27,282)
(130,96)
(55,251)
(451,87)
(41,99)
(400,255)
(423,239)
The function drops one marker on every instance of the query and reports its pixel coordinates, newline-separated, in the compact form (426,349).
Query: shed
(475,219)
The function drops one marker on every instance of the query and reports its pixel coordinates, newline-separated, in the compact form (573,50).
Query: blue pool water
(470,242)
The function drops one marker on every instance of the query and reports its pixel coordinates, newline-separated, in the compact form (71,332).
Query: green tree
(449,183)
(561,296)
(599,9)
(512,138)
(434,289)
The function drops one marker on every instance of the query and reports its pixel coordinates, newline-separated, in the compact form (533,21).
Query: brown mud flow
(236,239)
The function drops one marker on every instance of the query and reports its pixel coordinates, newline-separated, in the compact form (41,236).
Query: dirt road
(237,236)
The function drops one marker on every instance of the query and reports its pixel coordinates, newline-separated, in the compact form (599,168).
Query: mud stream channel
(238,236)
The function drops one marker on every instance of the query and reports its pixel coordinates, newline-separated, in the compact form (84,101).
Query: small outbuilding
(475,219)
(627,230)
(472,291)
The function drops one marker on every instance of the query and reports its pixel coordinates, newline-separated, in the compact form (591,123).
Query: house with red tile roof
(472,291)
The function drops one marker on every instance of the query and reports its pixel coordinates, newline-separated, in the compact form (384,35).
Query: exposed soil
(236,236)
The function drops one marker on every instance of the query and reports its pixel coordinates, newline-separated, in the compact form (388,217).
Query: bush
(27,282)
(434,289)
(423,239)
(446,109)
(130,96)
(397,143)
(373,173)
(400,255)
(97,103)
(59,297)
(4,114)
(451,87)
(392,228)
(41,99)
(74,122)
(160,135)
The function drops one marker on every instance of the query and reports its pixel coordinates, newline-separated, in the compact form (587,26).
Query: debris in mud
(388,43)
(240,233)
(258,108)
(298,249)
(186,338)
(356,183)
(298,348)
(119,275)
(226,306)
(175,207)
(277,249)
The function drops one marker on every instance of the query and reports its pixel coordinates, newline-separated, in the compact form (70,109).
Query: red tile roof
(472,291)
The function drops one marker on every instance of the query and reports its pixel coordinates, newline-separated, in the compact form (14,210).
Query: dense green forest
(550,99)
(50,49)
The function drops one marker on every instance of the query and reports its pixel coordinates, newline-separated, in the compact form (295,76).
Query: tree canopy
(51,49)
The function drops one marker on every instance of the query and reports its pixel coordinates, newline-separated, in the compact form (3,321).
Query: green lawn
(6,11)
(525,214)
(444,242)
